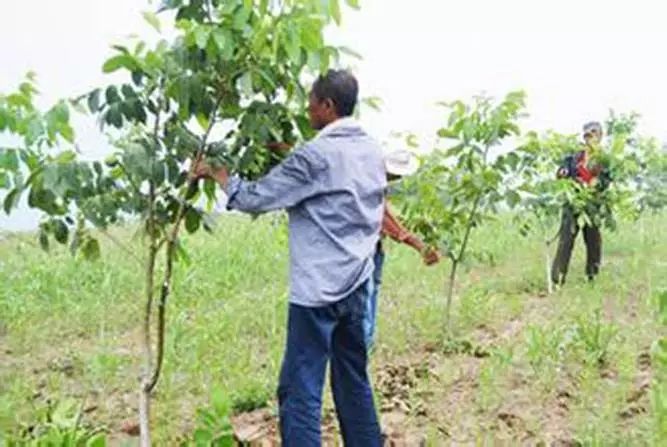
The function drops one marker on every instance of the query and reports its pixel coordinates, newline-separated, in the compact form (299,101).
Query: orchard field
(572,368)
(134,315)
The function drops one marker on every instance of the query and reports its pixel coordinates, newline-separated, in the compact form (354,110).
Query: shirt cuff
(233,186)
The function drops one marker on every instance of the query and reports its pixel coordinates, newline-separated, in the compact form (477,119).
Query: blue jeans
(370,318)
(315,337)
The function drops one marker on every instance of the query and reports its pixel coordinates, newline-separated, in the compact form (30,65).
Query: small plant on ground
(58,425)
(595,337)
(214,426)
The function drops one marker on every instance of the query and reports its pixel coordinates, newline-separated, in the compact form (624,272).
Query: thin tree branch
(122,246)
(144,392)
(171,246)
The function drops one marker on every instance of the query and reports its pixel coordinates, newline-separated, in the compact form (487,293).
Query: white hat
(401,163)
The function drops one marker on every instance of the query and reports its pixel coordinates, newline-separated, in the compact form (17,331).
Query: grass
(562,368)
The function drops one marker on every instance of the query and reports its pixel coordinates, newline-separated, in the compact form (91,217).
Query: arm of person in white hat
(395,230)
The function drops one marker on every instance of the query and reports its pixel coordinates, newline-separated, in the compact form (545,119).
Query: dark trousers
(370,319)
(332,334)
(568,233)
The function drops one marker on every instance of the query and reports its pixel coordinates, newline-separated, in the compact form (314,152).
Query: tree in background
(460,188)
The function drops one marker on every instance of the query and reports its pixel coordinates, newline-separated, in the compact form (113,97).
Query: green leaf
(137,77)
(182,253)
(9,159)
(114,116)
(78,107)
(98,440)
(220,402)
(94,101)
(311,35)
(128,91)
(192,220)
(60,231)
(263,6)
(224,41)
(120,61)
(91,249)
(66,157)
(448,133)
(202,34)
(112,95)
(353,4)
(203,121)
(11,200)
(350,52)
(241,18)
(67,132)
(60,113)
(513,198)
(111,161)
(245,84)
(43,240)
(662,302)
(373,102)
(203,437)
(293,46)
(97,167)
(334,11)
(152,20)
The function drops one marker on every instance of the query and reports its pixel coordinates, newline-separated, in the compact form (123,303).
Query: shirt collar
(340,122)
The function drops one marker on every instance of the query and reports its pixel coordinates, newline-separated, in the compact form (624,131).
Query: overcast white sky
(575,59)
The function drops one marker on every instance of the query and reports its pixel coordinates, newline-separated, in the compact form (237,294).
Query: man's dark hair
(341,87)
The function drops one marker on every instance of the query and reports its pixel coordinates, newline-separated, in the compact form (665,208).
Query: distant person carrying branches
(585,168)
(398,164)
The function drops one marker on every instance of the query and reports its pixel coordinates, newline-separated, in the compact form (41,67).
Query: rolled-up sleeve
(294,180)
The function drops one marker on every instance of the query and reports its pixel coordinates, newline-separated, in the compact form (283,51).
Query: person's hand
(201,169)
(276,146)
(431,256)
(596,170)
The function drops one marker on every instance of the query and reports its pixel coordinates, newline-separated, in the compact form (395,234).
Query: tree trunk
(450,294)
(144,391)
(144,414)
(455,262)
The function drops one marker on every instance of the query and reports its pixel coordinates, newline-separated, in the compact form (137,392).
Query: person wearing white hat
(398,164)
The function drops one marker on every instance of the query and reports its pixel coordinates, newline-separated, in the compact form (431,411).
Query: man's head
(592,133)
(333,96)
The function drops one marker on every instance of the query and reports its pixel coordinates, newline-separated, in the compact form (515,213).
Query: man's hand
(203,170)
(596,170)
(431,256)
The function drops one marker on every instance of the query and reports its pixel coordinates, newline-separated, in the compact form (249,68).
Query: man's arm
(289,183)
(393,228)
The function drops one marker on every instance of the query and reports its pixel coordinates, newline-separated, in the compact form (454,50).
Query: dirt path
(434,396)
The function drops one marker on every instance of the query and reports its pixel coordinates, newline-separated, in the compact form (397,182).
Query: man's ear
(330,105)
